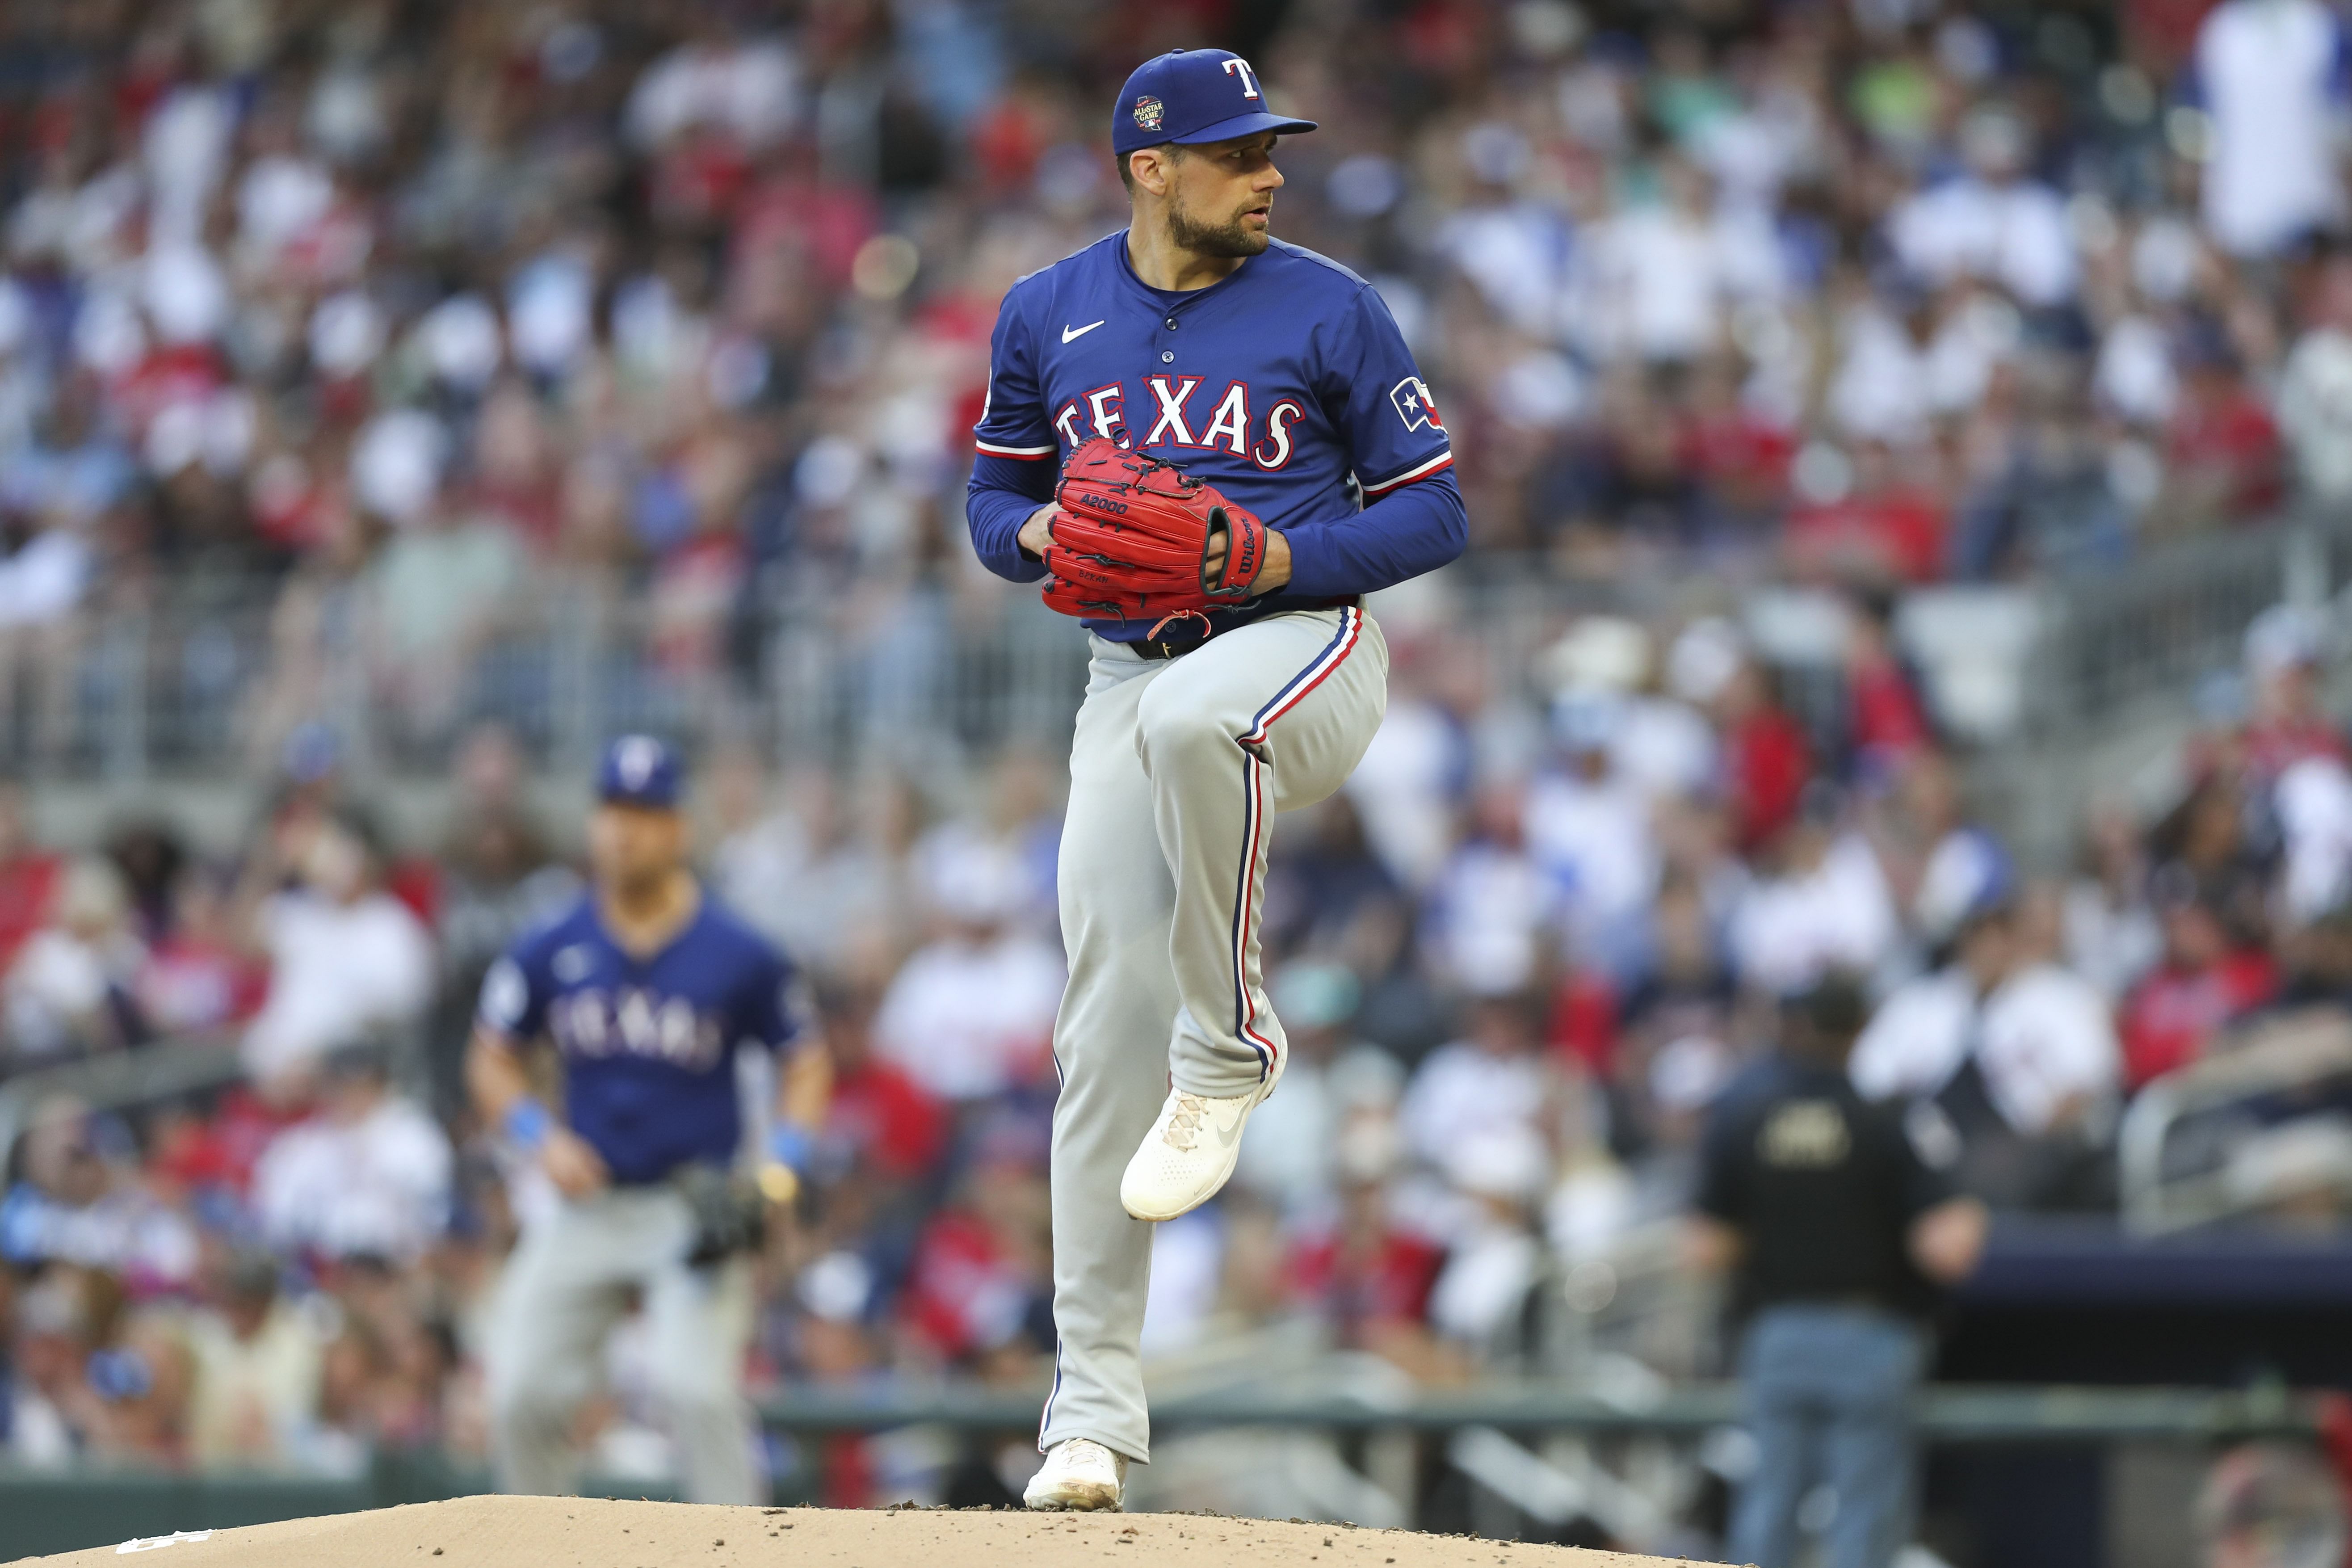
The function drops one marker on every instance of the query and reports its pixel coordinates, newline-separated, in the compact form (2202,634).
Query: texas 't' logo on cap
(1191,97)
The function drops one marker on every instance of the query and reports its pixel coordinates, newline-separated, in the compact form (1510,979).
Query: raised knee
(1175,727)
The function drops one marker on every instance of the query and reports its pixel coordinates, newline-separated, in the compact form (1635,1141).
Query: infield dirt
(579,1533)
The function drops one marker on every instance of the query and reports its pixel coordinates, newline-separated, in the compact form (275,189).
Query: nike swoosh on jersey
(1070,333)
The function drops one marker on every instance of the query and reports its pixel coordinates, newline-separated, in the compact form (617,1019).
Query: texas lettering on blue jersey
(649,1044)
(1286,384)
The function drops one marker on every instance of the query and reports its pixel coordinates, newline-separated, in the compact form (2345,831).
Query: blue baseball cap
(639,771)
(1192,96)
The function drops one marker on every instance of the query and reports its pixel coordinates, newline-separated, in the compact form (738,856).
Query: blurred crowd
(413,319)
(1519,958)
(360,336)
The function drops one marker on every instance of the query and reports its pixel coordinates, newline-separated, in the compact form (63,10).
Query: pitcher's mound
(580,1532)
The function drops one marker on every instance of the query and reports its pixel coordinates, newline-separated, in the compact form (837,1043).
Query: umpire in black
(1839,1234)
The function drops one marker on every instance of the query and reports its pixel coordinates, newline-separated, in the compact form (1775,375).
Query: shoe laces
(1184,1126)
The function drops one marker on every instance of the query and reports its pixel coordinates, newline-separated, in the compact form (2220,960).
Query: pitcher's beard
(1232,241)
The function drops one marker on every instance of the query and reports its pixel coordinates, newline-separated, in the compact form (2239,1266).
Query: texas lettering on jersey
(1230,425)
(634,1021)
(647,1043)
(1287,385)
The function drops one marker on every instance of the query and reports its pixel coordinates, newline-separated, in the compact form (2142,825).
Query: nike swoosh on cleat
(1227,1140)
(1069,332)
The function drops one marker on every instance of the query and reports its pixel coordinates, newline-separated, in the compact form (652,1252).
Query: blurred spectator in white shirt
(1659,276)
(759,845)
(368,1175)
(1412,776)
(1023,820)
(2313,801)
(346,958)
(1495,1257)
(2315,398)
(1517,251)
(2111,935)
(801,872)
(2041,1036)
(972,1014)
(749,89)
(1492,910)
(1658,742)
(257,1360)
(68,991)
(2268,72)
(1330,1081)
(81,1201)
(1992,222)
(1588,827)
(45,1387)
(1492,1079)
(1942,865)
(1823,905)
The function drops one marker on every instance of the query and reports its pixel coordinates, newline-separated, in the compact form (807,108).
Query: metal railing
(115,1080)
(206,678)
(2110,639)
(2268,1084)
(1967,1415)
(210,683)
(1528,1443)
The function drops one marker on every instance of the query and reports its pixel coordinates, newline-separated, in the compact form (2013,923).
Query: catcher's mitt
(1131,540)
(730,1216)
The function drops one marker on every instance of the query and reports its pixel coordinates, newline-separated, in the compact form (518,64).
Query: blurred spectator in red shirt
(1739,456)
(1369,1280)
(2222,450)
(1581,1023)
(1766,758)
(2285,647)
(978,1291)
(1886,526)
(878,1118)
(1885,722)
(196,978)
(27,875)
(2171,1018)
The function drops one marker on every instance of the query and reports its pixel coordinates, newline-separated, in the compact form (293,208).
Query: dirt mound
(580,1533)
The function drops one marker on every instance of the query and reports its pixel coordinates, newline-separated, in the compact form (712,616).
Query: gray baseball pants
(568,1282)
(1176,771)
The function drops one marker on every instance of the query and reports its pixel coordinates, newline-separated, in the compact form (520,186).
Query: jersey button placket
(1167,356)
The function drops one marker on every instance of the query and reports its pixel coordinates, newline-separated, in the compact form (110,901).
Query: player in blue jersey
(1280,377)
(647,989)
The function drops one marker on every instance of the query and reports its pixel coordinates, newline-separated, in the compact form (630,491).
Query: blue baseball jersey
(649,1044)
(1286,384)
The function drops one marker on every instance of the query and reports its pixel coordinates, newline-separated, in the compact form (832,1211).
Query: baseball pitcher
(1210,446)
(647,989)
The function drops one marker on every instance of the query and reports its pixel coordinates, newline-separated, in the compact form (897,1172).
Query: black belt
(1177,647)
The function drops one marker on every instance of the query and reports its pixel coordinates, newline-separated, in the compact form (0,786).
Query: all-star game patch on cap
(1193,96)
(639,771)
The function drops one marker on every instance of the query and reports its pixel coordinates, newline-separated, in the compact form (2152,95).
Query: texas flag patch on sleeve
(1415,406)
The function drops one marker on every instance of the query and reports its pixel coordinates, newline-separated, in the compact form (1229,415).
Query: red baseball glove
(1131,540)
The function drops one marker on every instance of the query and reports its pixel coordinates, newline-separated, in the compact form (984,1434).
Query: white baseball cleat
(1188,1155)
(1079,1475)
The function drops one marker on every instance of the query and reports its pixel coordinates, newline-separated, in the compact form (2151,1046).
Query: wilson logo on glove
(1131,537)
